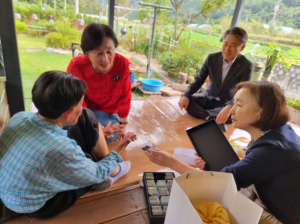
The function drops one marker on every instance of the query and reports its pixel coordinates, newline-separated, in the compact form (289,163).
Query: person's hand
(200,162)
(184,102)
(109,130)
(223,115)
(129,137)
(122,133)
(106,131)
(160,157)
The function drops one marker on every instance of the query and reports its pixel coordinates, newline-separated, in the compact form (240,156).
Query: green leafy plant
(41,28)
(274,54)
(21,27)
(207,6)
(49,27)
(65,35)
(26,10)
(190,60)
(272,46)
(63,38)
(57,40)
(294,102)
(187,61)
(257,27)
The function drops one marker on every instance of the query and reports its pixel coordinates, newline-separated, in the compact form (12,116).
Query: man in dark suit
(225,70)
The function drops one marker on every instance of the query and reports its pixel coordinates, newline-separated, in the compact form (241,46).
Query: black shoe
(223,127)
(211,118)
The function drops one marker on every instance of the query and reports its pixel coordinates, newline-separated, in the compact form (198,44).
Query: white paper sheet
(185,155)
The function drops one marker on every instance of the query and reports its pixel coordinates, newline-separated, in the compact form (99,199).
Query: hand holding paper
(166,159)
(189,157)
(160,157)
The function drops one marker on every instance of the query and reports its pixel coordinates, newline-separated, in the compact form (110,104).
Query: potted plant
(270,63)
(274,53)
(294,109)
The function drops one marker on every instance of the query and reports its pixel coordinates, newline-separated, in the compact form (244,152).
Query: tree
(176,4)
(123,3)
(207,7)
(148,11)
(297,18)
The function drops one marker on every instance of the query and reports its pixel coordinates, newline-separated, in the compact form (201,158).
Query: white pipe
(76,6)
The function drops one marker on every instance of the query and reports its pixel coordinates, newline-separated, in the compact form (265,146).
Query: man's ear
(68,112)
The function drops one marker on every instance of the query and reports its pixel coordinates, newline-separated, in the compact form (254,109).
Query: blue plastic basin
(151,85)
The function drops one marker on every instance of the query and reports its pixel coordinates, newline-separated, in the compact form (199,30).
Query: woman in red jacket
(107,76)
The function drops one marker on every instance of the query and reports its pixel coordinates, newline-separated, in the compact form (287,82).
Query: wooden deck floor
(126,205)
(159,121)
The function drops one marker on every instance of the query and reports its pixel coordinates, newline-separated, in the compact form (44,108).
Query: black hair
(94,34)
(237,32)
(54,92)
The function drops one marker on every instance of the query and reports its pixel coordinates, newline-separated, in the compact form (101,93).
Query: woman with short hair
(107,75)
(272,161)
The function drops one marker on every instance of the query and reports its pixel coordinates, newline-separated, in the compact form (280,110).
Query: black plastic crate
(156,219)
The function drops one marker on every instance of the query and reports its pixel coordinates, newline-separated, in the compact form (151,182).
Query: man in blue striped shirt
(42,171)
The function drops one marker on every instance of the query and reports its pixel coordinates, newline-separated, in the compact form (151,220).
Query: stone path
(142,59)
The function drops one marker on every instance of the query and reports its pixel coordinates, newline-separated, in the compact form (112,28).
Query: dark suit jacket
(272,164)
(240,71)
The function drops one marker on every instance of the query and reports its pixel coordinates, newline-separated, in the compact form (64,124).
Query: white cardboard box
(192,188)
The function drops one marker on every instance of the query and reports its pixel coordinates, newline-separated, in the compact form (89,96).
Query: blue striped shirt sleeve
(79,171)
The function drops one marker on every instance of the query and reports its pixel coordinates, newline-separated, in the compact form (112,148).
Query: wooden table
(159,121)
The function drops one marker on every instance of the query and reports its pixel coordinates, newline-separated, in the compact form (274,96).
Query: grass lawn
(33,64)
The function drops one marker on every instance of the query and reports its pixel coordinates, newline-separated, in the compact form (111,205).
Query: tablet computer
(212,146)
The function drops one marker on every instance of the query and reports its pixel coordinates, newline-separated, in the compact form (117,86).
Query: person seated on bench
(272,161)
(225,69)
(107,75)
(42,171)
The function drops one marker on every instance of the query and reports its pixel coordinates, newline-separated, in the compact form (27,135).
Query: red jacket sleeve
(124,102)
